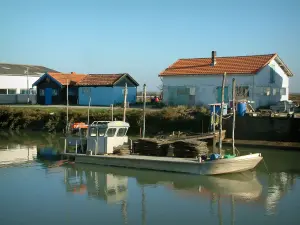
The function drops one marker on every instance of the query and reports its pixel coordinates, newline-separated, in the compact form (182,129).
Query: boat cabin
(103,136)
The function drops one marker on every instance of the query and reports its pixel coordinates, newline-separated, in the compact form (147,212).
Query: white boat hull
(180,165)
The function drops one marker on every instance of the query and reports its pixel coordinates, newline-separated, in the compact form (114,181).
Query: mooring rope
(266,166)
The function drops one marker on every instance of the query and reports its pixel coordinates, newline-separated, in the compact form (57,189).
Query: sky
(143,37)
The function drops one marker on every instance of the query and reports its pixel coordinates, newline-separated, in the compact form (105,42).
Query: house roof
(103,79)
(19,69)
(231,65)
(67,78)
(62,79)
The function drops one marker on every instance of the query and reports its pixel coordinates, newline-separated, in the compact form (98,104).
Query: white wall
(206,92)
(17,99)
(16,82)
(206,86)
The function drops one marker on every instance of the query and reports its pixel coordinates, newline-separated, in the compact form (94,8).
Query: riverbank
(53,119)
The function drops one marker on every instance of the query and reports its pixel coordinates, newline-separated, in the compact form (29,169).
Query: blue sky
(144,37)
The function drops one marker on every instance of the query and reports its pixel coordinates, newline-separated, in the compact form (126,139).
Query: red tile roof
(67,78)
(99,79)
(230,65)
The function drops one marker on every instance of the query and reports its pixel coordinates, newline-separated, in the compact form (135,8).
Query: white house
(263,79)
(13,77)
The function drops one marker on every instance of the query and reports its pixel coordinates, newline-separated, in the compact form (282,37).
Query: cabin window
(111,132)
(93,132)
(121,132)
(54,92)
(12,91)
(3,91)
(101,131)
(42,92)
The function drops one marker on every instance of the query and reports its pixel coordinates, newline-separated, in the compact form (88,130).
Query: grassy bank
(54,119)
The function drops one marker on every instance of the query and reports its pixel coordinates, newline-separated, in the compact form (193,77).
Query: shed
(52,88)
(106,89)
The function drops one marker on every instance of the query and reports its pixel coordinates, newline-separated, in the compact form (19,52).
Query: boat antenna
(144,110)
(221,113)
(233,109)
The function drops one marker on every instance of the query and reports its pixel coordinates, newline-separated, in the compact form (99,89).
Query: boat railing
(100,122)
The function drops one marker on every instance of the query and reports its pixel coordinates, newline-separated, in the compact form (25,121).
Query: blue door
(48,96)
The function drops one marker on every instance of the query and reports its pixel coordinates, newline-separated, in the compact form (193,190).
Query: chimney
(213,58)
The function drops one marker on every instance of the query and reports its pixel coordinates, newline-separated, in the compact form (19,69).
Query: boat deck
(140,157)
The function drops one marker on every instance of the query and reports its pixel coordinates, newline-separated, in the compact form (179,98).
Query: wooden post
(144,111)
(89,109)
(125,97)
(233,120)
(112,112)
(65,149)
(214,118)
(221,113)
(67,127)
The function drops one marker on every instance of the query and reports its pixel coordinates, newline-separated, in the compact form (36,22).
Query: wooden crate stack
(151,146)
(189,148)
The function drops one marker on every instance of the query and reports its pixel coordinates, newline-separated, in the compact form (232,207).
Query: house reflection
(96,184)
(17,154)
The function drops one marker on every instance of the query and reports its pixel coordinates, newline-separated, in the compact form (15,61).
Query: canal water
(35,191)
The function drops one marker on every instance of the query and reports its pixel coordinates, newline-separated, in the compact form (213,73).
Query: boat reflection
(17,154)
(111,183)
(96,183)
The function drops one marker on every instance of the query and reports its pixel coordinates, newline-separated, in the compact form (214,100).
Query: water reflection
(17,154)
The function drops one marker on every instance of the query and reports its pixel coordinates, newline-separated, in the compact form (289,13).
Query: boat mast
(125,96)
(221,113)
(144,111)
(233,120)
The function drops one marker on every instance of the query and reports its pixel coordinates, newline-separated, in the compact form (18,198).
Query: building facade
(17,79)
(261,79)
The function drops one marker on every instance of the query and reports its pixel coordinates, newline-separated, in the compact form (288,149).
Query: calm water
(41,192)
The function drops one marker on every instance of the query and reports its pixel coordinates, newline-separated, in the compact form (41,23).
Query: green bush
(167,119)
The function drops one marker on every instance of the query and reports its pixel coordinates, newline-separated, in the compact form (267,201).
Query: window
(121,132)
(54,92)
(101,131)
(23,91)
(3,91)
(42,92)
(267,91)
(242,91)
(111,132)
(275,91)
(282,91)
(12,91)
(93,132)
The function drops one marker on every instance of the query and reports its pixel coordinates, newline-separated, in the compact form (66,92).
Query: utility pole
(144,111)
(67,126)
(233,120)
(125,104)
(90,99)
(221,113)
